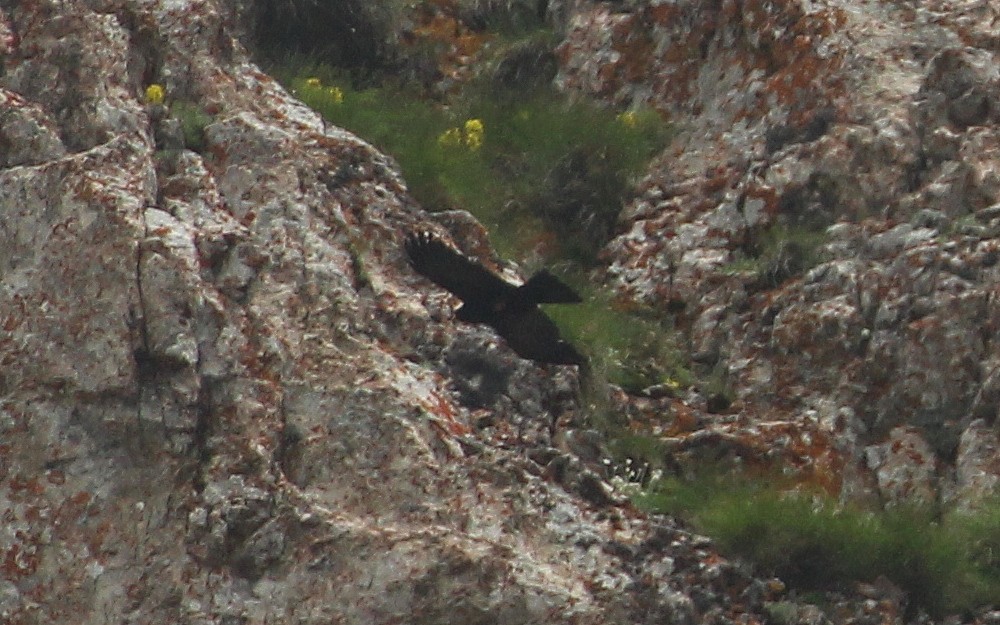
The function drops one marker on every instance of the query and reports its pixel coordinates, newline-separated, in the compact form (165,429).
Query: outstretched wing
(545,288)
(446,267)
(534,336)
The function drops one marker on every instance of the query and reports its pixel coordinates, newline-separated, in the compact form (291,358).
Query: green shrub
(779,253)
(626,348)
(193,120)
(526,66)
(544,164)
(812,544)
(567,164)
(979,534)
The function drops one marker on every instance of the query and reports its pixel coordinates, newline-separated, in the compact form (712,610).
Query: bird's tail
(545,288)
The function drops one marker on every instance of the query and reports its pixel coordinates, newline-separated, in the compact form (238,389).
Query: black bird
(509,309)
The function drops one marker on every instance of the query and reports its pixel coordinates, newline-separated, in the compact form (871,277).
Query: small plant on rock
(779,254)
(193,121)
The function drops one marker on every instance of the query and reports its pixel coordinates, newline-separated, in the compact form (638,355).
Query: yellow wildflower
(155,94)
(474,141)
(474,126)
(450,138)
(629,119)
(474,133)
(336,94)
(313,82)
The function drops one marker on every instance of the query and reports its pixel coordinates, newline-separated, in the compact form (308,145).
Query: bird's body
(512,310)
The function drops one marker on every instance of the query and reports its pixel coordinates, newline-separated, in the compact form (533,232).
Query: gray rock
(224,395)
(977,464)
(894,321)
(904,467)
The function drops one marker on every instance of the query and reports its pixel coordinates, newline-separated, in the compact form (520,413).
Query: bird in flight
(510,309)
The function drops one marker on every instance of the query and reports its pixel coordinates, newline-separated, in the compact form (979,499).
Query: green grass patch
(779,253)
(812,544)
(542,173)
(193,121)
(567,164)
(398,123)
(627,348)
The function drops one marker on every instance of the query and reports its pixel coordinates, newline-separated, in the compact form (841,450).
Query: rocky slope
(225,398)
(861,350)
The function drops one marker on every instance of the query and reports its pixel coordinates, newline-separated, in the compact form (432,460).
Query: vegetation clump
(193,120)
(543,174)
(945,562)
(180,123)
(780,253)
(637,350)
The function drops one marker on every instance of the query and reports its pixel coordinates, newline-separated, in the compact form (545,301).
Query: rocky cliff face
(224,397)
(861,350)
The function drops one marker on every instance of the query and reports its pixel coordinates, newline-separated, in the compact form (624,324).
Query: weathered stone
(869,123)
(27,134)
(977,465)
(965,78)
(224,395)
(904,467)
(225,398)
